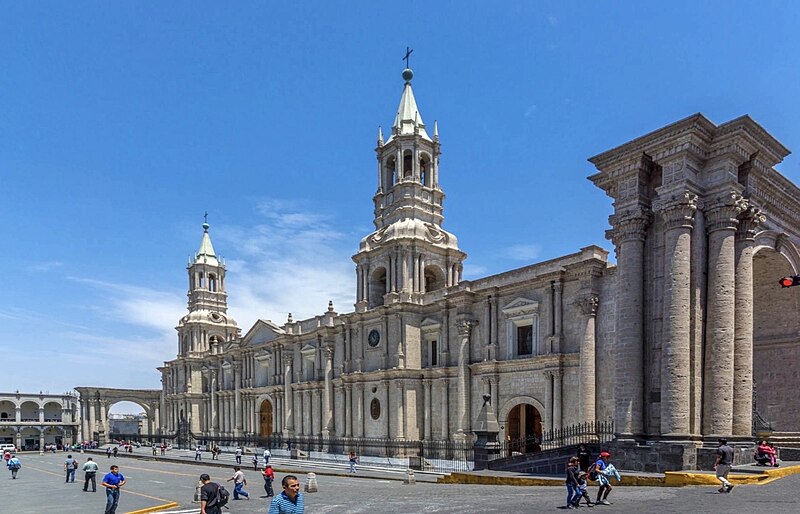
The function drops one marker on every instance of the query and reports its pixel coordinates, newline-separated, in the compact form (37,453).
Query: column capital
(427,383)
(588,304)
(548,373)
(464,326)
(723,211)
(677,210)
(629,225)
(749,220)
(558,373)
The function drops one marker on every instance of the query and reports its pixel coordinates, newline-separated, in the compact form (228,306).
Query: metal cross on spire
(407,58)
(205,217)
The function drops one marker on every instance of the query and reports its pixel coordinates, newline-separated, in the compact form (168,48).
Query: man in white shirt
(267,455)
(239,481)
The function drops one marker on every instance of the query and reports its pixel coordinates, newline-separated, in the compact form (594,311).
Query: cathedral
(675,342)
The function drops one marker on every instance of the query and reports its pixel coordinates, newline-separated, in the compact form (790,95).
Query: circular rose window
(375,408)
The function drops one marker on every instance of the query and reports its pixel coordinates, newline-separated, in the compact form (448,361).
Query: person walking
(290,501)
(269,477)
(13,465)
(239,481)
(353,461)
(255,462)
(70,465)
(108,452)
(208,496)
(6,457)
(113,481)
(115,450)
(605,484)
(572,482)
(722,465)
(267,455)
(198,453)
(238,455)
(90,470)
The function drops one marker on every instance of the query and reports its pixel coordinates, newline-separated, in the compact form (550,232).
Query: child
(572,482)
(581,491)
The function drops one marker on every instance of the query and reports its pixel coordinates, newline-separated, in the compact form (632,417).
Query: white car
(7,448)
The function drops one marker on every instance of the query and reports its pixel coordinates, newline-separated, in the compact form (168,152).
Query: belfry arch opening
(408,165)
(425,177)
(390,171)
(776,341)
(434,278)
(377,287)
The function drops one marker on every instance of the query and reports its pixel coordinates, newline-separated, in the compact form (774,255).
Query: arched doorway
(523,429)
(265,418)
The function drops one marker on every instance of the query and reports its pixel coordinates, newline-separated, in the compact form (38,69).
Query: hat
(605,454)
(582,474)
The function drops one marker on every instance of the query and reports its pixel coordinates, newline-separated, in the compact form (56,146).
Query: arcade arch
(96,403)
(521,424)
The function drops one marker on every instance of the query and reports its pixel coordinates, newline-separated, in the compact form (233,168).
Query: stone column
(426,431)
(548,398)
(677,213)
(316,411)
(586,384)
(629,234)
(390,418)
(104,418)
(92,407)
(237,398)
(400,389)
(327,394)
(463,396)
(445,409)
(299,413)
(358,422)
(348,410)
(339,411)
(557,400)
(743,329)
(86,434)
(558,289)
(214,399)
(720,320)
(288,414)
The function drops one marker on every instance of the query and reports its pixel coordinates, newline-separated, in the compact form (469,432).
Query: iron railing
(581,433)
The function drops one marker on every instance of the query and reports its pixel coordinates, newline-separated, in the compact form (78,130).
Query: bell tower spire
(409,254)
(207,322)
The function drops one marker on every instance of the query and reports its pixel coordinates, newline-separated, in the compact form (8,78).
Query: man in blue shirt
(112,482)
(290,501)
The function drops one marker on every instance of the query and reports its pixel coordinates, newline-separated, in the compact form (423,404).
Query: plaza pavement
(40,489)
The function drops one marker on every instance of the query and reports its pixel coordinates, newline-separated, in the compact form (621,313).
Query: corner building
(663,342)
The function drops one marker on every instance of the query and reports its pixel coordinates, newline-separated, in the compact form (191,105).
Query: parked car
(7,447)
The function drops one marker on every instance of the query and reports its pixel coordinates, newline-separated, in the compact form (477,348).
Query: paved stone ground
(40,489)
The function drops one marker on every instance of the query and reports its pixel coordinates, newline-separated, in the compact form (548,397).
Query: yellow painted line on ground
(157,508)
(127,491)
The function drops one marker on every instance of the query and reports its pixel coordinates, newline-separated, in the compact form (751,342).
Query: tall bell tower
(409,255)
(207,324)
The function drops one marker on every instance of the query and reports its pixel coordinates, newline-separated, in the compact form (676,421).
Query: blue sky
(122,122)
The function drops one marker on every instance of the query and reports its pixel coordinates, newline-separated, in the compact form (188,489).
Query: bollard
(197,491)
(409,479)
(311,483)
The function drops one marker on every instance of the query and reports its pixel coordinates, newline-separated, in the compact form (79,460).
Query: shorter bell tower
(207,324)
(409,255)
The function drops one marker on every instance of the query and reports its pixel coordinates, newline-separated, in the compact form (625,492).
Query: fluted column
(87,436)
(237,397)
(104,418)
(463,396)
(628,235)
(586,385)
(214,396)
(358,402)
(426,431)
(743,330)
(720,319)
(677,213)
(400,388)
(92,404)
(348,410)
(288,405)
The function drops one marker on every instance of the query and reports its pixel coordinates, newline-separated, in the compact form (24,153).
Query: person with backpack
(597,471)
(70,465)
(13,465)
(212,496)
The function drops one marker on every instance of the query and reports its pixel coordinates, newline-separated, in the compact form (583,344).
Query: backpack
(592,472)
(220,499)
(75,464)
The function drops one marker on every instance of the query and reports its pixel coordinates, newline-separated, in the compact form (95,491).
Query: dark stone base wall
(662,456)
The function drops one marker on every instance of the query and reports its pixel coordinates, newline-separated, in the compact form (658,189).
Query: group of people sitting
(766,455)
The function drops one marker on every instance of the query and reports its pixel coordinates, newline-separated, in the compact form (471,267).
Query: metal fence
(438,456)
(581,433)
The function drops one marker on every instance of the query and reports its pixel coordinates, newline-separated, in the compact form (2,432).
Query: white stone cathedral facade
(663,342)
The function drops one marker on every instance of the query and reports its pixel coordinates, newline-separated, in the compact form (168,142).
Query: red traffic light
(793,280)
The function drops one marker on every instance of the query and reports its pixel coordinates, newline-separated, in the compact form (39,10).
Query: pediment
(430,324)
(521,306)
(307,349)
(263,331)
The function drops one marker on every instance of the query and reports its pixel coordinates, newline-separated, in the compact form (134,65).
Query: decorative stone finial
(289,319)
(330,305)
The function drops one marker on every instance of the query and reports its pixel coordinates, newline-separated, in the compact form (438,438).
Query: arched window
(408,166)
(391,171)
(434,278)
(425,170)
(212,282)
(377,287)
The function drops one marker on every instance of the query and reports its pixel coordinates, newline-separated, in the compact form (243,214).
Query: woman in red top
(269,476)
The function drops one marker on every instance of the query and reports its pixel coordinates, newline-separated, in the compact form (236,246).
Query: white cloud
(523,252)
(45,266)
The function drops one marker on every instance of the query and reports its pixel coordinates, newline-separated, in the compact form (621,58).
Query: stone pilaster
(629,235)
(445,393)
(288,397)
(426,431)
(358,401)
(463,397)
(718,385)
(586,385)
(348,410)
(327,412)
(548,399)
(237,398)
(558,376)
(92,408)
(399,388)
(743,329)
(677,213)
